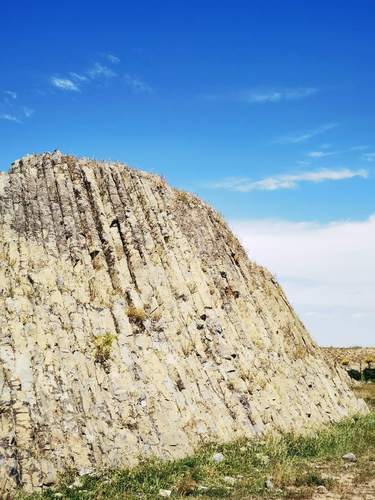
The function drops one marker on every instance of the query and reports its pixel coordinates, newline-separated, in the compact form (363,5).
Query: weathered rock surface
(132,323)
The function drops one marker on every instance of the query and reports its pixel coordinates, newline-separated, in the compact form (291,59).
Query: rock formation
(132,323)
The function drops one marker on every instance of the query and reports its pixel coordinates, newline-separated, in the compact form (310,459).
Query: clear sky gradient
(263,108)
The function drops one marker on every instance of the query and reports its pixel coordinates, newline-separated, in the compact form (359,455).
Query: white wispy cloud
(78,77)
(298,137)
(11,94)
(136,84)
(113,59)
(259,96)
(359,148)
(321,154)
(28,111)
(303,163)
(277,95)
(97,73)
(325,151)
(286,181)
(11,109)
(337,306)
(101,71)
(64,84)
(77,80)
(10,118)
(369,156)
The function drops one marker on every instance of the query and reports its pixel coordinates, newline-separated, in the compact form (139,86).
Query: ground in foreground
(287,467)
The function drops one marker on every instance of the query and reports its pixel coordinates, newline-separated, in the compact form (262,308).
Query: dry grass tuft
(182,196)
(366,392)
(136,314)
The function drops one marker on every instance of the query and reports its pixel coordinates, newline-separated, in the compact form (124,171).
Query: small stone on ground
(217,457)
(165,493)
(269,484)
(349,457)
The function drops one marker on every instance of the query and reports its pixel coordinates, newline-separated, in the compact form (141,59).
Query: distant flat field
(351,357)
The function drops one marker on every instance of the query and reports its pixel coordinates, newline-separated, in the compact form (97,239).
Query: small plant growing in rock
(161,182)
(182,196)
(300,352)
(103,347)
(156,316)
(69,160)
(186,484)
(187,346)
(345,361)
(137,314)
(193,287)
(97,262)
(230,292)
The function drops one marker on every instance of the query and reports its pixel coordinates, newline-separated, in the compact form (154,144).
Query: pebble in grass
(217,458)
(263,459)
(165,493)
(349,457)
(77,484)
(269,484)
(202,488)
(230,480)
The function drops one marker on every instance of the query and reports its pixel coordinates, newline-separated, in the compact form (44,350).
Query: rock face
(132,323)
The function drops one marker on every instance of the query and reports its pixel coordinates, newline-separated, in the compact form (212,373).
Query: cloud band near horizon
(327,270)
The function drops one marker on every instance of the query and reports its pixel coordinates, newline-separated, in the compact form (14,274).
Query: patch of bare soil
(354,481)
(348,488)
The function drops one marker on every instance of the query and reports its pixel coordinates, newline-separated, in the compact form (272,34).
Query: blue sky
(263,108)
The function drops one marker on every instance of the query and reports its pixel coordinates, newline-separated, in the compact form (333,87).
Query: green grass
(289,460)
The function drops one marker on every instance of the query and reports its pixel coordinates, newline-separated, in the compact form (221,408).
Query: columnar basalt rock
(132,323)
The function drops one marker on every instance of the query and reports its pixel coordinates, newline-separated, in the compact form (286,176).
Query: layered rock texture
(132,323)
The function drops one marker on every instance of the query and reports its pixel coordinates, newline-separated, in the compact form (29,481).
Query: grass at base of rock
(296,465)
(366,392)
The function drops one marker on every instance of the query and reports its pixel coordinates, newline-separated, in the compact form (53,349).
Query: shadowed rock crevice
(132,323)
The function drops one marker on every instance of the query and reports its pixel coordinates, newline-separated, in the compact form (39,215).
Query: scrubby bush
(354,374)
(369,374)
(369,360)
(136,314)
